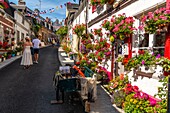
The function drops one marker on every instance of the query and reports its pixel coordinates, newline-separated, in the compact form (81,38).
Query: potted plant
(19,50)
(9,54)
(98,32)
(4,56)
(6,45)
(155,21)
(79,29)
(120,26)
(14,52)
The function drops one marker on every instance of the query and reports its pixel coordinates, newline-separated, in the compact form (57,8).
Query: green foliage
(118,83)
(119,97)
(135,105)
(146,59)
(62,32)
(162,94)
(79,29)
(36,27)
(19,49)
(165,64)
(120,59)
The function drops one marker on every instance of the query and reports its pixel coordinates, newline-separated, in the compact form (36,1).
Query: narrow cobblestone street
(31,90)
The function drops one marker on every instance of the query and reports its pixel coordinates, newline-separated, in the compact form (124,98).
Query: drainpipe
(112,62)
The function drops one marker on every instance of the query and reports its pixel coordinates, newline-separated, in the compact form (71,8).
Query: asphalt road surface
(31,90)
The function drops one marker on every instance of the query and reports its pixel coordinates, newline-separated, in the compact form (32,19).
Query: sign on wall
(125,50)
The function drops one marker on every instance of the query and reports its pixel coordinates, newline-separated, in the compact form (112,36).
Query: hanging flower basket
(155,21)
(120,26)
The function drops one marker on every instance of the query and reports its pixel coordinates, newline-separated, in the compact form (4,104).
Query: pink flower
(129,20)
(150,15)
(143,62)
(141,27)
(135,88)
(144,18)
(152,101)
(112,20)
(163,17)
(155,19)
(167,12)
(124,27)
(115,29)
(129,27)
(122,22)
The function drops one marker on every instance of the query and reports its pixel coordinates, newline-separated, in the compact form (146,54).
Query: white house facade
(22,26)
(139,40)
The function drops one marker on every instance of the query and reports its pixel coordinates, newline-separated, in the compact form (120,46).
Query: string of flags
(51,10)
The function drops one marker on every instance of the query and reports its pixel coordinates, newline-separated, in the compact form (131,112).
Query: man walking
(36,45)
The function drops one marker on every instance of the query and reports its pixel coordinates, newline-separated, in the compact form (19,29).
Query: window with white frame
(159,43)
(143,41)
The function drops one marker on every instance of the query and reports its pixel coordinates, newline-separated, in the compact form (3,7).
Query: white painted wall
(81,19)
(139,6)
(19,17)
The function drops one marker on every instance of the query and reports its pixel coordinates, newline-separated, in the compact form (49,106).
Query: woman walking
(27,57)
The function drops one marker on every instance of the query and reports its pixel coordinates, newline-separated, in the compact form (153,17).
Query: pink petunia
(115,29)
(141,27)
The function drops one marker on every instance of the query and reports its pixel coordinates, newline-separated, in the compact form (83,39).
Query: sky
(59,13)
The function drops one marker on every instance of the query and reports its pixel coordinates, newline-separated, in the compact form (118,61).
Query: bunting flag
(51,10)
(57,7)
(61,6)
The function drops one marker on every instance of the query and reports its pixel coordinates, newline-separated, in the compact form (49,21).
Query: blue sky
(59,13)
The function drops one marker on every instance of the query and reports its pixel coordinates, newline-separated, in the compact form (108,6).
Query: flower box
(147,69)
(144,74)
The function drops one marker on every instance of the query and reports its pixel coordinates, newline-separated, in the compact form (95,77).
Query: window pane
(159,51)
(143,40)
(159,43)
(159,40)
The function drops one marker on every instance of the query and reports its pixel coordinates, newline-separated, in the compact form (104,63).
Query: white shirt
(36,43)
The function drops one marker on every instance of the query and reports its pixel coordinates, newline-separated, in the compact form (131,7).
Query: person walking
(36,45)
(27,57)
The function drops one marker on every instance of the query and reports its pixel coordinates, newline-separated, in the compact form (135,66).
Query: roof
(72,6)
